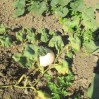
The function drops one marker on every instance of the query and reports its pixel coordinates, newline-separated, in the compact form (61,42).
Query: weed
(5,39)
(59,87)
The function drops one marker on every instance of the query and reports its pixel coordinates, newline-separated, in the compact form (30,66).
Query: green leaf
(61,12)
(64,2)
(89,21)
(20,36)
(90,46)
(16,57)
(75,43)
(54,3)
(22,60)
(88,14)
(44,35)
(52,33)
(42,51)
(56,42)
(19,4)
(5,41)
(42,8)
(69,24)
(28,52)
(2,29)
(28,63)
(31,36)
(33,51)
(38,7)
(78,5)
(69,55)
(93,90)
(90,24)
(19,12)
(62,68)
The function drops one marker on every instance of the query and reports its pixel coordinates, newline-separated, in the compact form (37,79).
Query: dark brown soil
(83,66)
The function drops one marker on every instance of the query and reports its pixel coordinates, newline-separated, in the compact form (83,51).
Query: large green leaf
(19,6)
(28,52)
(88,14)
(22,60)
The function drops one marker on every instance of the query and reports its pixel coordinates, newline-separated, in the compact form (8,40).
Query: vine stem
(17,86)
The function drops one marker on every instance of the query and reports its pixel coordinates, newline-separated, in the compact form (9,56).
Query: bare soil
(83,66)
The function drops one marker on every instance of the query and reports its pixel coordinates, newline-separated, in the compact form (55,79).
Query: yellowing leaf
(62,68)
(42,95)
